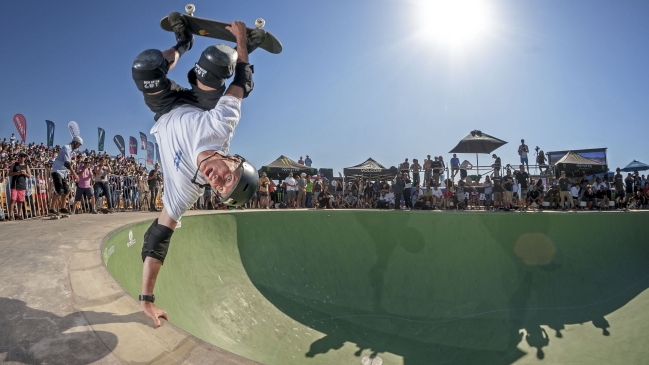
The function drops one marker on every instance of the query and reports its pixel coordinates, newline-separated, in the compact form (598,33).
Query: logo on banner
(131,240)
(286,161)
(21,126)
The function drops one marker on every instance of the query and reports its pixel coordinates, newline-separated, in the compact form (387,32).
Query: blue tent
(636,166)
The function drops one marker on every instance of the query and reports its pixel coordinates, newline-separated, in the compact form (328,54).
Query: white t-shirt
(182,134)
(437,193)
(65,155)
(289,182)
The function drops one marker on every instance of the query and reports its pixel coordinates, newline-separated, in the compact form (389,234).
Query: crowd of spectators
(125,185)
(120,183)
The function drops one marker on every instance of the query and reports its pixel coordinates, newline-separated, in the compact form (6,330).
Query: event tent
(371,169)
(576,165)
(280,168)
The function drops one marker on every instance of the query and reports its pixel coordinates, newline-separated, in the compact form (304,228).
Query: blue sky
(356,78)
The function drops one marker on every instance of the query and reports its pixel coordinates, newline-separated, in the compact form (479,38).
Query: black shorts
(61,186)
(263,193)
(81,192)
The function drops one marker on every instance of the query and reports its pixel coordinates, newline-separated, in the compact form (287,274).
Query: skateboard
(216,29)
(55,216)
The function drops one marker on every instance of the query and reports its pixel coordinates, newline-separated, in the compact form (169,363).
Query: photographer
(102,171)
(541,161)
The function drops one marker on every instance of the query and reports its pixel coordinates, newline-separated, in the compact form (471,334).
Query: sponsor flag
(157,153)
(50,133)
(143,139)
(102,136)
(74,129)
(119,142)
(149,153)
(21,126)
(132,145)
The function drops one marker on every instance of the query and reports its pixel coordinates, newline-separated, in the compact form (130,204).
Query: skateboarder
(193,128)
(60,168)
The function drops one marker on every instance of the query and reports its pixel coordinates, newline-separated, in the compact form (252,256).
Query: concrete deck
(59,304)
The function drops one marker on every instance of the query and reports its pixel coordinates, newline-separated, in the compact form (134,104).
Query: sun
(456,23)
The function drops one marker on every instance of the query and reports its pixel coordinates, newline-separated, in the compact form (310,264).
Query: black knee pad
(150,71)
(156,242)
(215,65)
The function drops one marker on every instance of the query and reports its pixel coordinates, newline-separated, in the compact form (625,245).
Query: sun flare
(454,22)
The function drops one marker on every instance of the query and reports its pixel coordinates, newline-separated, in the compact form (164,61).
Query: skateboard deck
(216,29)
(55,216)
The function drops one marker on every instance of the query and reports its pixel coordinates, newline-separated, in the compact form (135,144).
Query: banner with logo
(132,145)
(149,153)
(143,140)
(21,126)
(50,133)
(74,129)
(102,135)
(157,154)
(119,142)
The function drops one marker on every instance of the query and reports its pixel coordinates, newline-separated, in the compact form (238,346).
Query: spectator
(438,198)
(448,196)
(418,200)
(437,170)
(291,193)
(619,188)
(497,165)
(428,170)
(522,179)
(541,161)
(602,197)
(498,189)
(12,140)
(589,197)
(19,174)
(368,193)
(308,161)
(574,192)
(404,166)
(415,167)
(583,185)
(397,188)
(536,199)
(488,192)
(309,191)
(442,174)
(154,179)
(300,161)
(407,190)
(301,191)
(324,199)
(523,150)
(264,185)
(508,185)
(564,186)
(553,196)
(629,181)
(383,202)
(83,186)
(102,186)
(455,166)
(350,200)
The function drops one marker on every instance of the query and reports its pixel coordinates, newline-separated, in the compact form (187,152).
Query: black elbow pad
(156,242)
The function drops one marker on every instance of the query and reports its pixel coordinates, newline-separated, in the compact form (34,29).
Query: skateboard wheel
(259,23)
(190,9)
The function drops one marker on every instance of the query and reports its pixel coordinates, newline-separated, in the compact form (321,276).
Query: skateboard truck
(259,23)
(190,9)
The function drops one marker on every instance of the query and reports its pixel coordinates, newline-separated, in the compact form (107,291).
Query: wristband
(147,298)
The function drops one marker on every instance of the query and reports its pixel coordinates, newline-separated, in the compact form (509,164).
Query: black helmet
(245,188)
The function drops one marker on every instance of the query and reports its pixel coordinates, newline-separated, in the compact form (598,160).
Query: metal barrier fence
(124,193)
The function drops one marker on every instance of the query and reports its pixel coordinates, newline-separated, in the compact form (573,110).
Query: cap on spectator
(22,154)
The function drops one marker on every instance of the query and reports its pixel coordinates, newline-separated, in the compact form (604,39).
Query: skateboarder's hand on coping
(152,311)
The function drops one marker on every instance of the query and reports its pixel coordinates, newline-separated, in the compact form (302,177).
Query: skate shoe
(184,37)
